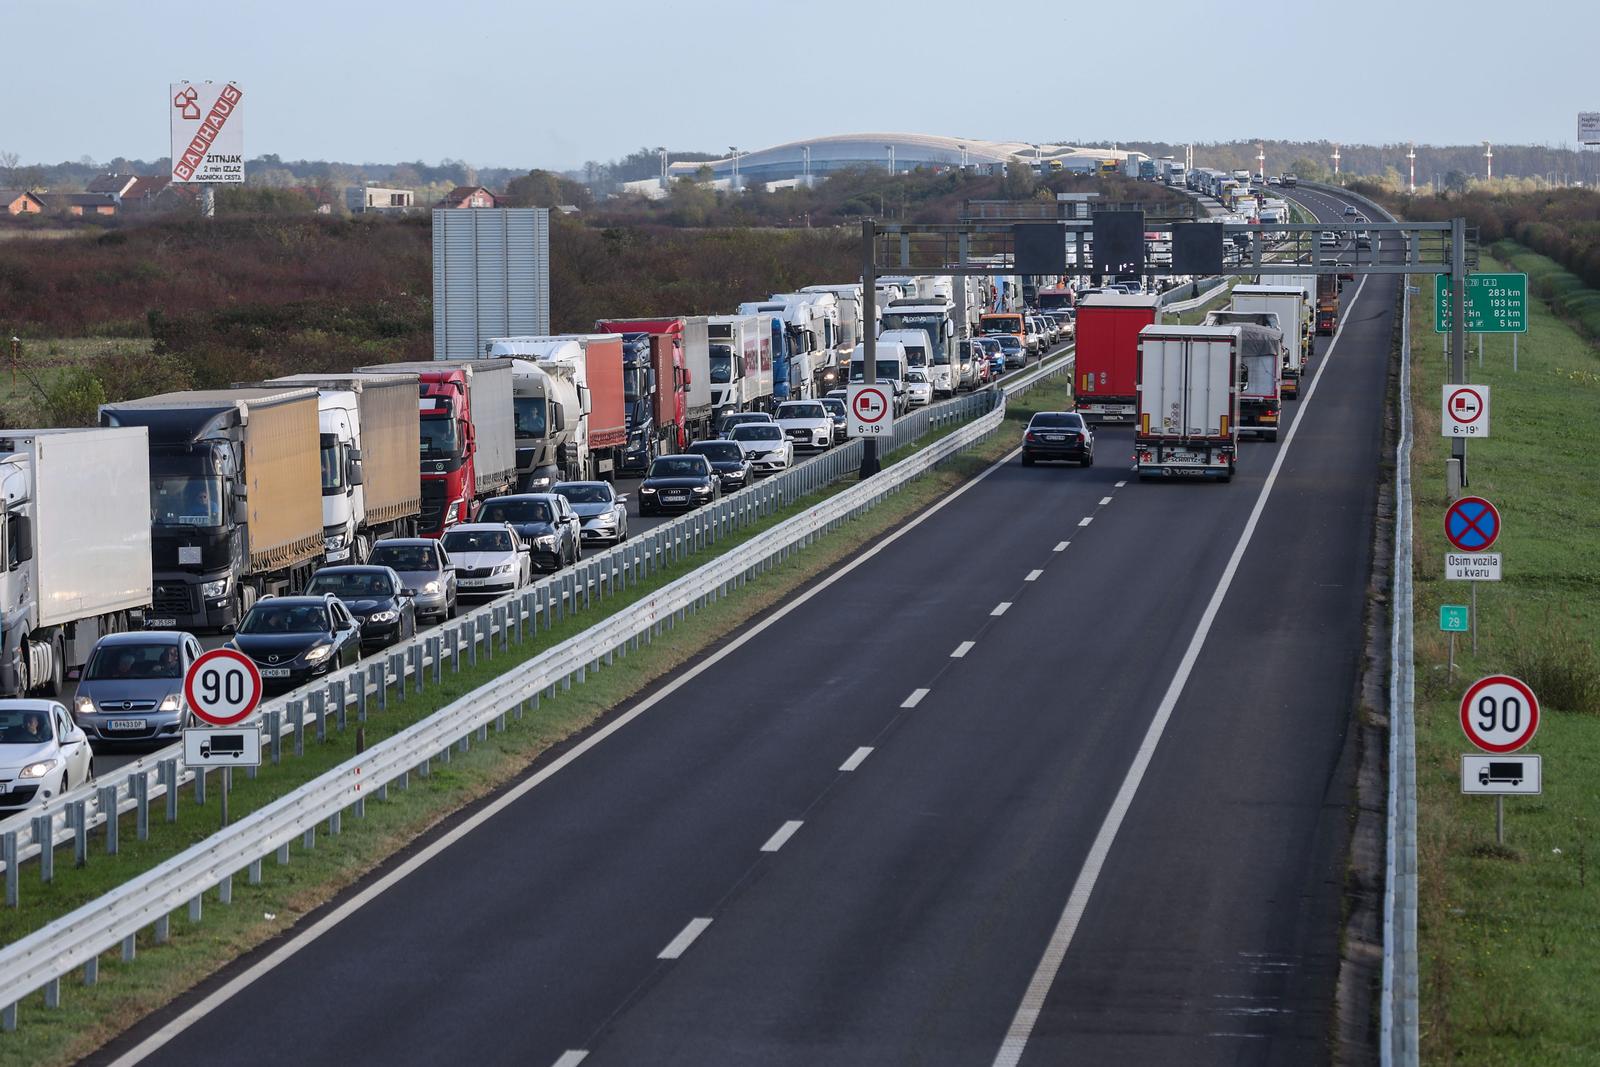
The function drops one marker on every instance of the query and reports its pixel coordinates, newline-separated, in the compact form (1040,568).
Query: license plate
(127,724)
(160,623)
(1111,418)
(472,583)
(674,498)
(1054,437)
(1184,457)
(274,672)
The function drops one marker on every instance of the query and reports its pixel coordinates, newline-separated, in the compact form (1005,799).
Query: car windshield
(730,421)
(477,541)
(916,374)
(183,500)
(24,727)
(344,584)
(516,511)
(720,450)
(801,411)
(153,660)
(1056,420)
(836,407)
(404,557)
(269,618)
(677,467)
(757,431)
(586,494)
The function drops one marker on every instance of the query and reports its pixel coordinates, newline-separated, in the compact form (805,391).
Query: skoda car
(42,754)
(678,483)
(491,559)
(130,692)
(546,523)
(424,570)
(603,513)
(294,639)
(375,596)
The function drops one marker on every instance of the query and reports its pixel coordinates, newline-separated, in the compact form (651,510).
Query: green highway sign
(1496,303)
(1453,618)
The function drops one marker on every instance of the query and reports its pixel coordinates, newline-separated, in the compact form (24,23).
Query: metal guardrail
(1199,301)
(41,959)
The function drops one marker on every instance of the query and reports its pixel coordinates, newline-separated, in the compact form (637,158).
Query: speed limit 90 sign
(1499,713)
(222,687)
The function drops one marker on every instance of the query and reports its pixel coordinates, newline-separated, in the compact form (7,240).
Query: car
(1328,239)
(768,450)
(1351,210)
(1273,179)
(1363,239)
(728,461)
(984,350)
(806,423)
(550,530)
(1013,348)
(296,639)
(1057,435)
(602,513)
(425,571)
(491,558)
(1063,323)
(43,753)
(680,482)
(838,413)
(1033,339)
(726,424)
(375,595)
(130,690)
(919,390)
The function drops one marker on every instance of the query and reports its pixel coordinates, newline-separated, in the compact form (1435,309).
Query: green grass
(90,1016)
(1196,316)
(1508,935)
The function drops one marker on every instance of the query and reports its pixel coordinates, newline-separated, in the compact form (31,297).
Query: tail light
(1029,436)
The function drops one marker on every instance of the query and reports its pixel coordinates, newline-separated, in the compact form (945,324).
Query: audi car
(727,460)
(681,482)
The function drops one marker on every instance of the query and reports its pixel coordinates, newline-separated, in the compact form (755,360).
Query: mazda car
(296,639)
(375,596)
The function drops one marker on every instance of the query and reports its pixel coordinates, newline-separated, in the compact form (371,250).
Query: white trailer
(549,386)
(1188,402)
(741,363)
(75,544)
(1290,304)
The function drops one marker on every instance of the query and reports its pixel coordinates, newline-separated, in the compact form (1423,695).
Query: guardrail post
(130,948)
(297,716)
(8,1018)
(52,993)
(319,708)
(283,855)
(380,675)
(275,733)
(108,805)
(8,853)
(358,678)
(455,649)
(141,807)
(414,661)
(487,625)
(253,875)
(397,667)
(225,890)
(80,832)
(169,772)
(163,929)
(308,840)
(435,650)
(44,832)
(196,908)
(425,768)
(500,723)
(340,688)
(335,822)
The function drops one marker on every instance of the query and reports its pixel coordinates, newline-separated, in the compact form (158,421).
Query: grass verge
(1508,966)
(89,1016)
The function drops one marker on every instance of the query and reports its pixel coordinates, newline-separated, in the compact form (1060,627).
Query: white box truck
(1289,303)
(75,534)
(1188,402)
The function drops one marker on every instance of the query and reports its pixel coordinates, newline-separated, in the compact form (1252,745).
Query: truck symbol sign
(1501,771)
(233,745)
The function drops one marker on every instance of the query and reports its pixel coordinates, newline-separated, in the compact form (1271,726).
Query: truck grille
(172,598)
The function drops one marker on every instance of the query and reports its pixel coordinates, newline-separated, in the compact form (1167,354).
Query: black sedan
(376,596)
(295,639)
(728,460)
(546,521)
(1058,435)
(678,483)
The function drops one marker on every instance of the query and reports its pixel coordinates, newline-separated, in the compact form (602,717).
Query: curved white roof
(910,150)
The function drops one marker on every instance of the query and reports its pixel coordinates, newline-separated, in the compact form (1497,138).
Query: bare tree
(8,167)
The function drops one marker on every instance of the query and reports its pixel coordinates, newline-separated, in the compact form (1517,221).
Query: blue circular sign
(1472,524)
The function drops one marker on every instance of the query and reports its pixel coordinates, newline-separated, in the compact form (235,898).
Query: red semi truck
(655,383)
(1105,376)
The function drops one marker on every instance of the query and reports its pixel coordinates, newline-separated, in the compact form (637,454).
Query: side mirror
(353,476)
(22,534)
(622,498)
(74,673)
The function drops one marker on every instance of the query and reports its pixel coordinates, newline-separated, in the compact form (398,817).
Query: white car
(43,753)
(918,389)
(806,423)
(491,559)
(765,446)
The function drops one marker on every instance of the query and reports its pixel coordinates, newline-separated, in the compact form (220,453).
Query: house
(375,199)
(80,204)
(467,196)
(114,185)
(149,192)
(20,202)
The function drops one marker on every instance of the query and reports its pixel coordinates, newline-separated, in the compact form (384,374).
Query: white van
(892,363)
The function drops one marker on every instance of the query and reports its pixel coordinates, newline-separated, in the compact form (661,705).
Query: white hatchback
(765,446)
(43,753)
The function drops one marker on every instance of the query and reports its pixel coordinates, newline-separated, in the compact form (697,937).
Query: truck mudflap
(1291,383)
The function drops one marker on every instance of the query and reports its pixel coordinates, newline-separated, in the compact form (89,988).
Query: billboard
(207,132)
(491,277)
(1589,127)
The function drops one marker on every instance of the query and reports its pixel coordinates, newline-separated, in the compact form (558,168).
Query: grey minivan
(131,690)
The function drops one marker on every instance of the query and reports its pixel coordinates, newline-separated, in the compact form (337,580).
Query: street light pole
(869,335)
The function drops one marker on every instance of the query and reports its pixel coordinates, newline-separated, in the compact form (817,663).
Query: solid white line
(680,944)
(282,955)
(1055,952)
(1033,576)
(781,838)
(962,649)
(1120,484)
(1061,546)
(1105,500)
(1086,520)
(914,699)
(571,1058)
(857,758)
(1001,608)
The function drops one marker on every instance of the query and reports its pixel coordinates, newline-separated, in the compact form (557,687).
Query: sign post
(1500,714)
(1453,619)
(222,688)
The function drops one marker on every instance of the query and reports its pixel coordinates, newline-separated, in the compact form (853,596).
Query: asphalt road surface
(1060,774)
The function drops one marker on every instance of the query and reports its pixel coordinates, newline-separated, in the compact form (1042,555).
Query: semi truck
(935,316)
(655,387)
(1307,284)
(1105,375)
(697,364)
(234,499)
(371,487)
(740,349)
(1188,401)
(467,437)
(75,535)
(1288,303)
(575,414)
(1327,304)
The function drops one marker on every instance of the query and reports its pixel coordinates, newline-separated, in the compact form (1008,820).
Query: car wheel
(1088,461)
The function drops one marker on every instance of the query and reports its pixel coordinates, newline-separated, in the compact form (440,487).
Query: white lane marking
(857,758)
(1120,484)
(1001,608)
(1104,501)
(1086,520)
(288,949)
(571,1058)
(1061,546)
(961,650)
(1055,952)
(680,944)
(781,838)
(1033,576)
(914,699)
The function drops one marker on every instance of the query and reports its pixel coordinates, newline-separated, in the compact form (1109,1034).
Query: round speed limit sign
(1499,713)
(223,687)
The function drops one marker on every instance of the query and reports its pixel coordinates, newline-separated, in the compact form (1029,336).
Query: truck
(697,365)
(1188,402)
(1327,304)
(467,437)
(1260,369)
(935,316)
(741,363)
(582,387)
(234,499)
(1105,375)
(371,487)
(850,304)
(1307,284)
(805,328)
(1289,304)
(76,538)
(655,387)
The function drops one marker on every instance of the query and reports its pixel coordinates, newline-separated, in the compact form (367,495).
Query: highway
(1059,772)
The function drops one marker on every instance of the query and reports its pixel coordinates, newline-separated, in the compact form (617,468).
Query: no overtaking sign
(871,410)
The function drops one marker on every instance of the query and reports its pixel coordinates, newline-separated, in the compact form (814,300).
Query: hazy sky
(554,84)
